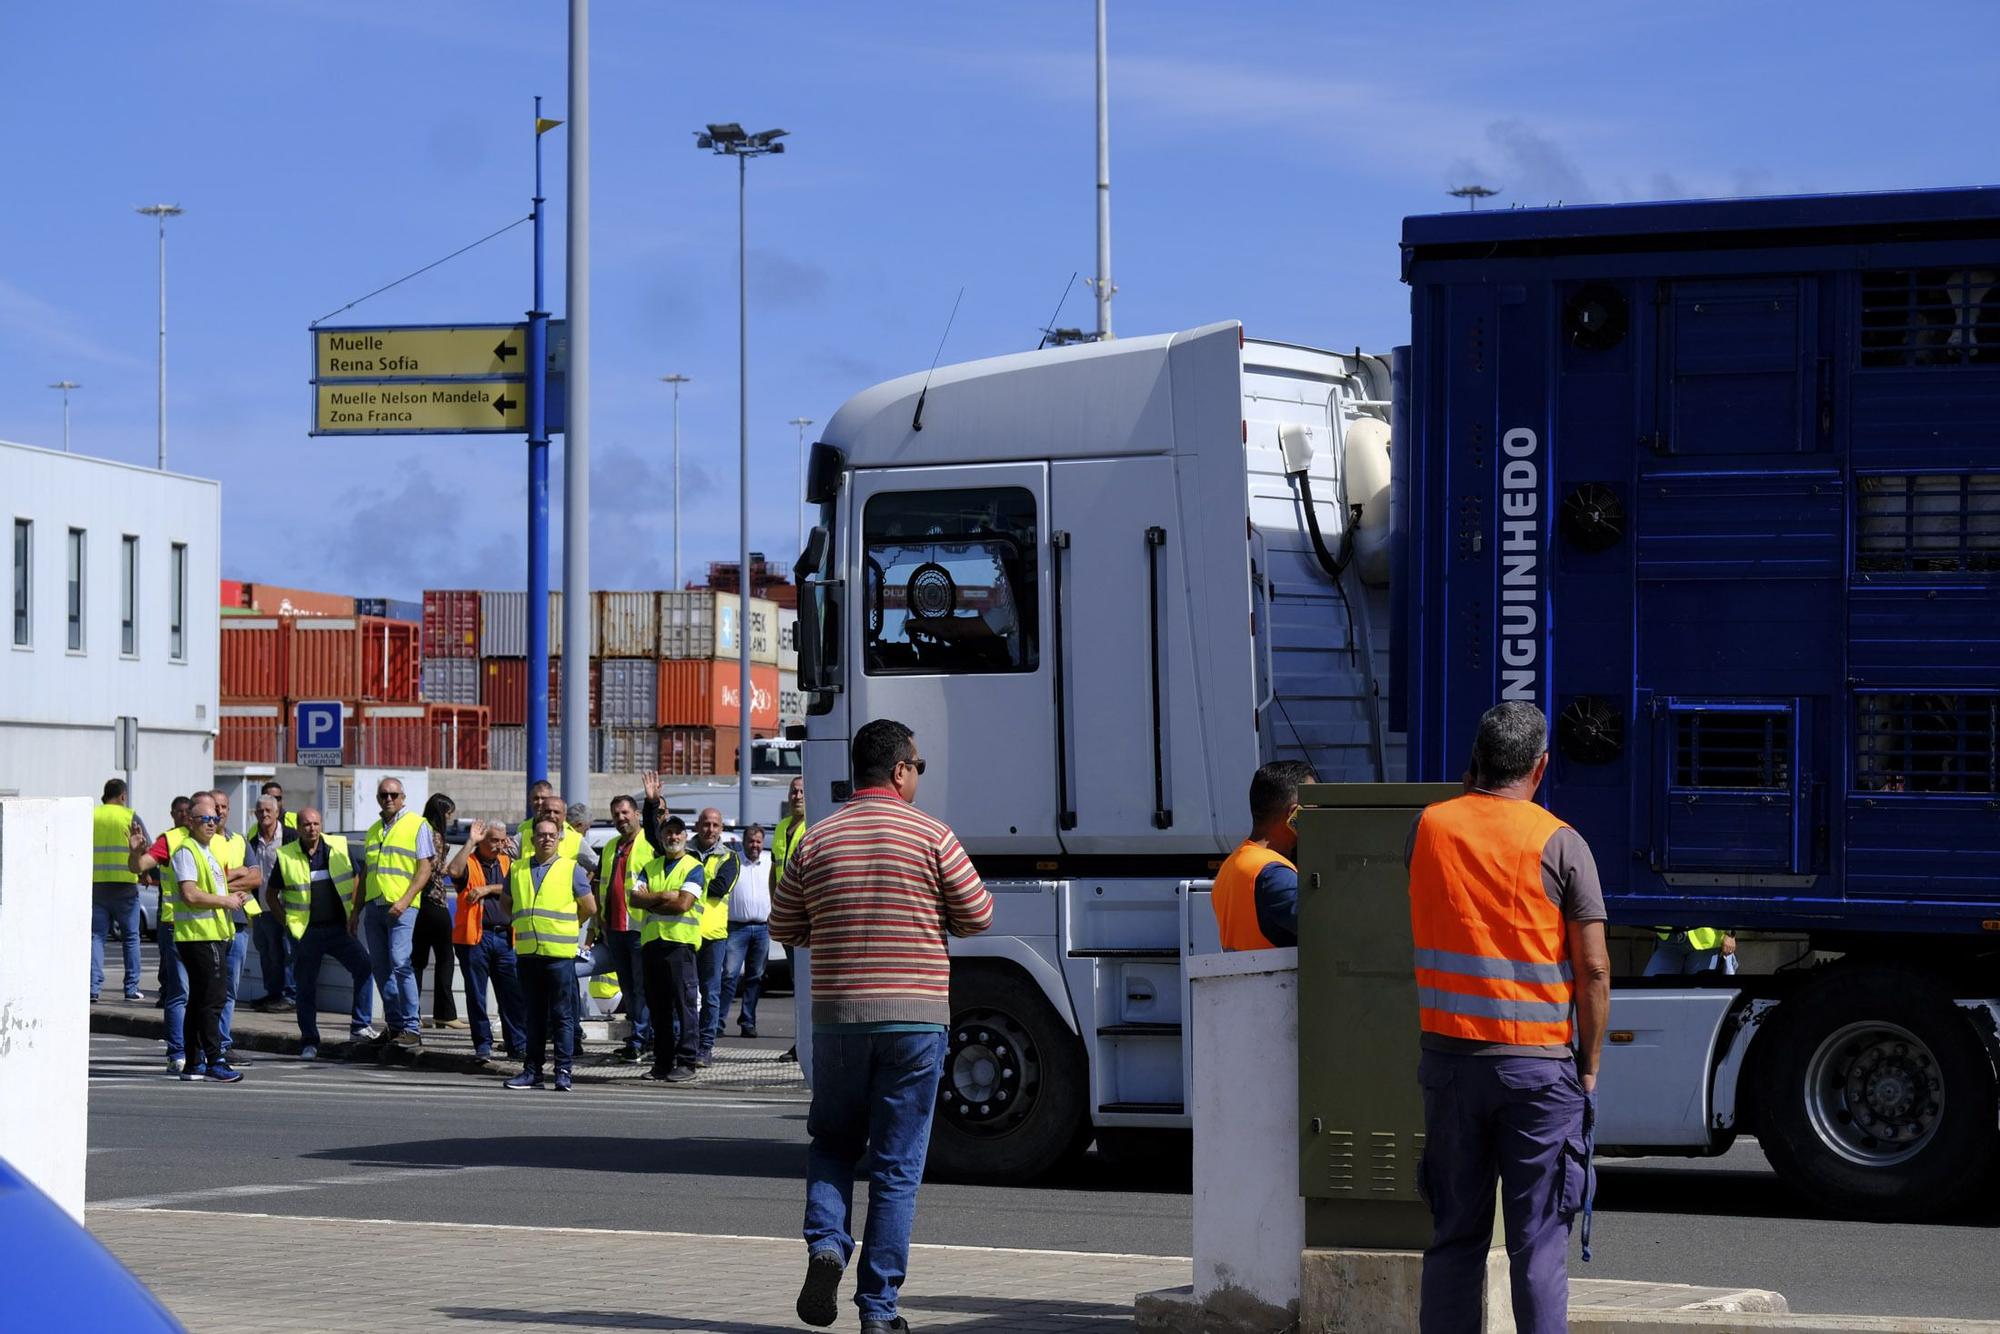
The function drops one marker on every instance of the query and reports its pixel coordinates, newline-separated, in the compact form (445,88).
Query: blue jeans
(275,955)
(173,994)
(708,977)
(239,947)
(550,987)
(873,1094)
(743,956)
(315,945)
(389,947)
(632,984)
(493,957)
(114,905)
(1518,1123)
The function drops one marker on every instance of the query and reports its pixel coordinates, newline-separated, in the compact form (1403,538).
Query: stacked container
(451,623)
(355,657)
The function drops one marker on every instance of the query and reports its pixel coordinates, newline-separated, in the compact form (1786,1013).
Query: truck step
(1139,1031)
(1145,1108)
(1161,954)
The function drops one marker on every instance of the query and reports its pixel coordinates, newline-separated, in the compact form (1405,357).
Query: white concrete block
(45,867)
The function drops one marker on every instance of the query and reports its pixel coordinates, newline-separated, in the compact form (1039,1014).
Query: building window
(177,595)
(950,582)
(128,597)
(24,582)
(76,576)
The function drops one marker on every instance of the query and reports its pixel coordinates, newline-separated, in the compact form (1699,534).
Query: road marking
(639,1232)
(444,1095)
(282,1188)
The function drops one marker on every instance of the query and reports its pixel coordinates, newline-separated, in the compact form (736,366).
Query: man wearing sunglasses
(1256,898)
(173,978)
(203,929)
(397,867)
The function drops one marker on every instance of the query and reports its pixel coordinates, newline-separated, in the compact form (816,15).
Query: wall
(1249,1220)
(44,1005)
(39,761)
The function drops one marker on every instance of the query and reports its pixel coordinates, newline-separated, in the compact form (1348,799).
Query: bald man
(311,886)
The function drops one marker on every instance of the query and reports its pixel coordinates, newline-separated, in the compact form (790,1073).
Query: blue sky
(1263,156)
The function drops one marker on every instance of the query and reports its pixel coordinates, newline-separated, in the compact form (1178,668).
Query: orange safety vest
(1492,951)
(467,926)
(1235,897)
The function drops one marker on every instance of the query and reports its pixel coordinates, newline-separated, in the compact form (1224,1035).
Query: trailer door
(949,638)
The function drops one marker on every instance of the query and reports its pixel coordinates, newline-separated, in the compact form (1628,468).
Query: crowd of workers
(673,922)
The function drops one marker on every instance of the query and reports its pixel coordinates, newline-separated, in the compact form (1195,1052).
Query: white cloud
(30,324)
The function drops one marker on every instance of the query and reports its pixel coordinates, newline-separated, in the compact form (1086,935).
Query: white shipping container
(503,625)
(625,625)
(508,750)
(788,639)
(451,680)
(629,693)
(629,750)
(791,700)
(702,624)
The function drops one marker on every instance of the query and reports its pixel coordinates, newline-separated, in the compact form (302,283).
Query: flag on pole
(543,124)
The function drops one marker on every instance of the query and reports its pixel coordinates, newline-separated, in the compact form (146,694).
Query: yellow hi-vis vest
(642,857)
(296,873)
(569,845)
(545,916)
(1698,937)
(715,912)
(392,857)
(783,839)
(111,845)
(177,838)
(669,877)
(229,851)
(190,922)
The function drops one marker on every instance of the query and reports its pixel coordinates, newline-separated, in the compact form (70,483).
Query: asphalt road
(358,1142)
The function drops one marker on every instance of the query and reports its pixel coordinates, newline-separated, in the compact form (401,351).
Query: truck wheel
(1878,1099)
(1013,1102)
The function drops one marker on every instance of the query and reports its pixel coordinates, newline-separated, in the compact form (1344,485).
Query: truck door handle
(1163,811)
(1059,548)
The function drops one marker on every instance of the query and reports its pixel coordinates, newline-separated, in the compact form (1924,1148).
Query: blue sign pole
(538,502)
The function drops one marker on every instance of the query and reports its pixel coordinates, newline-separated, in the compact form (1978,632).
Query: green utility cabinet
(1361,1113)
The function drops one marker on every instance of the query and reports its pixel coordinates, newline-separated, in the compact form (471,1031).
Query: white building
(113,613)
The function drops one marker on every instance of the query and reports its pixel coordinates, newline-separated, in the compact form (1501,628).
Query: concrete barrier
(45,868)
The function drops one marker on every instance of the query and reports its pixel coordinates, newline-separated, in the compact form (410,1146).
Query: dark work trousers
(670,988)
(550,987)
(1518,1122)
(432,941)
(207,965)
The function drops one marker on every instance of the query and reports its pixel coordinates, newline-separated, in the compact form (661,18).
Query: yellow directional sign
(404,351)
(406,407)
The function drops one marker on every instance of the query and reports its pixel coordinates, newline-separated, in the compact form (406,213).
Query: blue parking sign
(319,733)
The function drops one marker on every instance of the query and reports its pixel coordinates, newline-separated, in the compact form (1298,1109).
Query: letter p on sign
(319,733)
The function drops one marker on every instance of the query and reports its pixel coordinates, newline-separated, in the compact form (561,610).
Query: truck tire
(1014,1100)
(1877,1099)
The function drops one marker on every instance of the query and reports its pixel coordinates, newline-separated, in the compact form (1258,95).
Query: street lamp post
(162,212)
(65,386)
(677,380)
(800,499)
(729,140)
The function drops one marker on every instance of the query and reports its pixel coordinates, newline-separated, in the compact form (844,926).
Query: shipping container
(396,609)
(452,680)
(237,612)
(504,689)
(461,737)
(232,595)
(692,752)
(705,694)
(509,751)
(503,625)
(628,692)
(355,657)
(272,600)
(791,700)
(451,623)
(625,625)
(628,750)
(788,639)
(255,657)
(252,734)
(441,736)
(702,624)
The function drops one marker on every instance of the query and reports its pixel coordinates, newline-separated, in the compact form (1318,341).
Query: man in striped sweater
(874,890)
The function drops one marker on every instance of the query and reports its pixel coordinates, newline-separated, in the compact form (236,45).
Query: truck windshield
(949,585)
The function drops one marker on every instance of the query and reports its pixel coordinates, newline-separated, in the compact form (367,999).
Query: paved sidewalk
(274,1274)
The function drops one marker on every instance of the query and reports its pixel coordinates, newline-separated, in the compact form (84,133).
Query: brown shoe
(409,1038)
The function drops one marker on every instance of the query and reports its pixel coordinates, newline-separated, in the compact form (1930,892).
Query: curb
(1585,1320)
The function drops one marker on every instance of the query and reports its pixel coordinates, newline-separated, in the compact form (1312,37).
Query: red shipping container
(252,733)
(233,594)
(393,736)
(355,657)
(692,752)
(256,664)
(451,622)
(460,737)
(703,693)
(271,600)
(503,688)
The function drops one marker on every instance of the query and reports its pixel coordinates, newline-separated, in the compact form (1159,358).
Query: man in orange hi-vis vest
(1256,897)
(1514,987)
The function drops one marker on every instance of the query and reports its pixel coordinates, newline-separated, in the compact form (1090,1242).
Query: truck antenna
(1049,329)
(917,420)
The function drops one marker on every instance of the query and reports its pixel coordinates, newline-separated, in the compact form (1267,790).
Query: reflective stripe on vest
(661,878)
(607,857)
(1492,951)
(296,873)
(545,916)
(190,922)
(111,846)
(391,857)
(714,912)
(1234,897)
